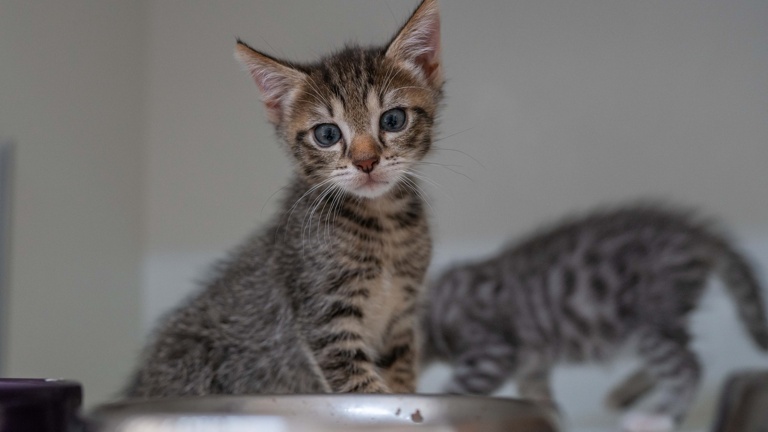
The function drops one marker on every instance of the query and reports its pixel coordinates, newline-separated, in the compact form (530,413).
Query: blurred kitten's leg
(630,390)
(676,370)
(482,369)
(398,362)
(533,383)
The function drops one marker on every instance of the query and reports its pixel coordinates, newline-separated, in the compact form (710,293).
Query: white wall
(71,77)
(558,105)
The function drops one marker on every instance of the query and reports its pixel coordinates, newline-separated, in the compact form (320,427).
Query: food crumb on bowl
(416,417)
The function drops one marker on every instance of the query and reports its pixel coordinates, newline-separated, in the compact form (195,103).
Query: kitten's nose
(367,165)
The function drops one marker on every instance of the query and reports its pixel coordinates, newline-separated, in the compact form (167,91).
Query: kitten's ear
(275,79)
(418,42)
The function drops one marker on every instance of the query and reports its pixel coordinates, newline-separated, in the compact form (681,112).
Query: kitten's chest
(385,301)
(403,256)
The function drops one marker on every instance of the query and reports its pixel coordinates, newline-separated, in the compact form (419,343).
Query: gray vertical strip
(6,171)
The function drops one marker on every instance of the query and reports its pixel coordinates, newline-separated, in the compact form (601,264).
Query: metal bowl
(743,403)
(340,412)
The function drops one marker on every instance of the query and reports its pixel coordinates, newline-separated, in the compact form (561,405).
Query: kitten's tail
(743,286)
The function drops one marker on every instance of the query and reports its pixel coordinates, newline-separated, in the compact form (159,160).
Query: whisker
(335,202)
(390,11)
(321,210)
(410,184)
(261,212)
(448,167)
(323,183)
(321,200)
(339,205)
(436,163)
(295,204)
(316,93)
(413,182)
(439,148)
(410,87)
(459,151)
(421,195)
(428,180)
(313,91)
(329,202)
(388,81)
(312,189)
(308,218)
(453,134)
(281,53)
(387,77)
(321,213)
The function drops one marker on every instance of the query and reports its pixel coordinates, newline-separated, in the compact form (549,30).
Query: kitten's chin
(371,189)
(370,186)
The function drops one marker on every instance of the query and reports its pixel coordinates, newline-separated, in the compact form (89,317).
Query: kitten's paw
(367,386)
(402,388)
(646,422)
(629,391)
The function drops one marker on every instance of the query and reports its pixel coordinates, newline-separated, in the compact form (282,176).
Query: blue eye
(393,120)
(327,134)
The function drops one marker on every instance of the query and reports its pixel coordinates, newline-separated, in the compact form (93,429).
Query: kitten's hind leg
(177,366)
(677,372)
(482,369)
(533,383)
(630,390)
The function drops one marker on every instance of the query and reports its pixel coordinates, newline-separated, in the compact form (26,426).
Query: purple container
(39,405)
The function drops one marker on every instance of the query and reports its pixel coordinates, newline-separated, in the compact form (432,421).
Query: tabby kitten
(322,299)
(579,292)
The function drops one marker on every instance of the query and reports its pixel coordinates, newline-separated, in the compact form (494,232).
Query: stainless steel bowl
(743,403)
(325,413)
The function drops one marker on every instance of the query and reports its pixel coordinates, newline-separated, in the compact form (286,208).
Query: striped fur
(579,292)
(324,298)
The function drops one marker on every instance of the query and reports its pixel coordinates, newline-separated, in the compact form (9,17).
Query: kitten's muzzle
(364,153)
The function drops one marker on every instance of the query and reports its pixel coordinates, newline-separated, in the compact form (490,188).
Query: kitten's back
(592,278)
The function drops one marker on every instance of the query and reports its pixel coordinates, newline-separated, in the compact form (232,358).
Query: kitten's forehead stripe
(374,107)
(337,109)
(350,76)
(421,112)
(300,135)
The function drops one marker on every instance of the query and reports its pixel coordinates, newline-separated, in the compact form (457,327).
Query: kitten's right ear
(418,42)
(274,78)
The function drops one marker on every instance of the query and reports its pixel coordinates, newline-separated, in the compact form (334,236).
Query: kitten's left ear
(418,42)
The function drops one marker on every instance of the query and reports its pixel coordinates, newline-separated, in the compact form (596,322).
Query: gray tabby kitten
(579,292)
(323,298)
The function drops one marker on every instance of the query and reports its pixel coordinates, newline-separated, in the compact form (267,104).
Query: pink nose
(367,165)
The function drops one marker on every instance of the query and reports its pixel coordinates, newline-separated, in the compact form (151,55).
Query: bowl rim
(348,409)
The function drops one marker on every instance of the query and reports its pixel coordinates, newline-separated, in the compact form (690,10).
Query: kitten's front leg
(398,361)
(345,360)
(533,383)
(351,370)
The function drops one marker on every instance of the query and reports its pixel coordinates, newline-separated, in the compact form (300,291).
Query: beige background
(144,152)
(72,78)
